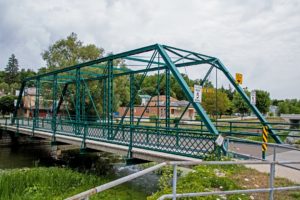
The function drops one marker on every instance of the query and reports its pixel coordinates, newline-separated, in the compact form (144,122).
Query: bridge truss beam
(71,92)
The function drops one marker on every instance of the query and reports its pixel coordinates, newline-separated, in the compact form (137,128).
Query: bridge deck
(148,143)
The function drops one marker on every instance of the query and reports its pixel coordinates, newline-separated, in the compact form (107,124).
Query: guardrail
(230,128)
(85,195)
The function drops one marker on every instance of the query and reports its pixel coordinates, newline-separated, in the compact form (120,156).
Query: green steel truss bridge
(80,105)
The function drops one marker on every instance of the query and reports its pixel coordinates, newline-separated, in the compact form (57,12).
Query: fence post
(265,141)
(174,184)
(272,176)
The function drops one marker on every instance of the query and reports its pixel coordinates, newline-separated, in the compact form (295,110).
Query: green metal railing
(177,141)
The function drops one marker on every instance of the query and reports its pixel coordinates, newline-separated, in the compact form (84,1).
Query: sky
(258,38)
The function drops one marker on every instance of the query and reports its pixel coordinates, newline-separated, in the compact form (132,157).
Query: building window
(172,111)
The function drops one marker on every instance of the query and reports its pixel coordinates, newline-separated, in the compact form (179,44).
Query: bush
(7,104)
(176,120)
(153,118)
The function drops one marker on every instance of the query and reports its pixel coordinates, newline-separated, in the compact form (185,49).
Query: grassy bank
(226,177)
(57,183)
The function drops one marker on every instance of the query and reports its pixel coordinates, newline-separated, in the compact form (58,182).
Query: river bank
(57,183)
(33,163)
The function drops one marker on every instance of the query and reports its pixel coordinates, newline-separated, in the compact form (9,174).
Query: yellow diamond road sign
(239,78)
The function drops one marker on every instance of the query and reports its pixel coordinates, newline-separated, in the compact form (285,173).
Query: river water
(98,163)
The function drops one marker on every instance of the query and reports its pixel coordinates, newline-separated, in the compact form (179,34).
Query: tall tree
(23,74)
(11,70)
(263,101)
(70,51)
(216,103)
(239,104)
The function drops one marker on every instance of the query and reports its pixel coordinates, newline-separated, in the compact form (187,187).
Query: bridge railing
(174,140)
(271,189)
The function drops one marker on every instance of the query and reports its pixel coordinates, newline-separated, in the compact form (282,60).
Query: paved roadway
(281,154)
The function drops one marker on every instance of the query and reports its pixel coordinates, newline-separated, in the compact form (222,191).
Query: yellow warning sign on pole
(264,146)
(239,78)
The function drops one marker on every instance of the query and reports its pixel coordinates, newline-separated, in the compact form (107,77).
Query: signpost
(253,97)
(197,93)
(239,78)
(219,141)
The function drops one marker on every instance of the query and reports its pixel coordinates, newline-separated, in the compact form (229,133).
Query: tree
(23,74)
(11,70)
(239,105)
(70,51)
(4,87)
(7,104)
(263,101)
(14,87)
(216,104)
(289,106)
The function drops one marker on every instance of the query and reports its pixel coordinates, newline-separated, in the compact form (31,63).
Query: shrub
(153,118)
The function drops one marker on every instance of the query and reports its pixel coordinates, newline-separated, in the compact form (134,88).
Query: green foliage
(197,118)
(23,74)
(239,104)
(263,101)
(7,104)
(201,179)
(56,183)
(289,106)
(153,118)
(4,87)
(11,70)
(216,103)
(70,51)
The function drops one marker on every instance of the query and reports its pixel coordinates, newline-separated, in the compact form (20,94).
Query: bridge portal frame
(165,61)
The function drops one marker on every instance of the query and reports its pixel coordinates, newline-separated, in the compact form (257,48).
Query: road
(281,154)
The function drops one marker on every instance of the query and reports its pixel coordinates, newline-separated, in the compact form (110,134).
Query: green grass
(221,178)
(57,183)
(203,179)
(283,136)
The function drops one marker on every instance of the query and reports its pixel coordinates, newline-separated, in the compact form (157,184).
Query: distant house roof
(179,103)
(162,101)
(162,98)
(146,96)
(30,91)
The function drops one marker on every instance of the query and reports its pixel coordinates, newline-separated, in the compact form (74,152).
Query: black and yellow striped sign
(265,138)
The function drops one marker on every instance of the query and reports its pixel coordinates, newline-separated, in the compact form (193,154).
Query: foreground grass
(203,179)
(56,183)
(222,178)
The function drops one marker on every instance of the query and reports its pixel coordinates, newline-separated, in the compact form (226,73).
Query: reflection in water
(25,156)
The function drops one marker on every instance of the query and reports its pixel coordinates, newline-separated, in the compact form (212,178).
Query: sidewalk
(281,171)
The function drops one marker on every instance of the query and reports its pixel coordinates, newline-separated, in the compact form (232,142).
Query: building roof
(145,96)
(162,98)
(30,91)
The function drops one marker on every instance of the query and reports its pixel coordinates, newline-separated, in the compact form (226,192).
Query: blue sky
(259,38)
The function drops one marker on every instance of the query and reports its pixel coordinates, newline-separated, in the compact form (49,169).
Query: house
(157,107)
(145,99)
(28,104)
(273,110)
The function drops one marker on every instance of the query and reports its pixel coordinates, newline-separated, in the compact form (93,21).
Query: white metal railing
(85,195)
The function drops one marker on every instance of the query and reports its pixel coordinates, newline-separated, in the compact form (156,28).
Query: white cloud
(258,38)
